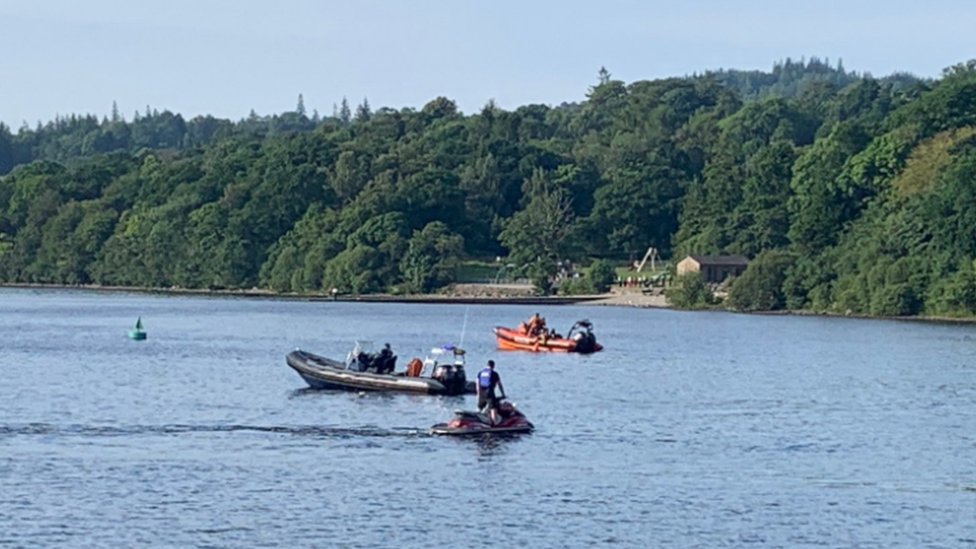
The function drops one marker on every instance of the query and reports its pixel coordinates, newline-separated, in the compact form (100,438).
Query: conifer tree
(345,115)
(363,112)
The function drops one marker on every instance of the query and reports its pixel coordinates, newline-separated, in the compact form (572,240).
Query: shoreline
(633,300)
(255,293)
(859,316)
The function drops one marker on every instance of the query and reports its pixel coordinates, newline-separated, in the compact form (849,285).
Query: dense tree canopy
(852,193)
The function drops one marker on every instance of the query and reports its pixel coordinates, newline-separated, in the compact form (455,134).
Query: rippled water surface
(689,430)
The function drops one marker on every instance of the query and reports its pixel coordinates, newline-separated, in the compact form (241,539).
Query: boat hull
(324,373)
(446,430)
(467,423)
(513,340)
(137,335)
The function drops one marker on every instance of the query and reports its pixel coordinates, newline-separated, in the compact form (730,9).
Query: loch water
(691,429)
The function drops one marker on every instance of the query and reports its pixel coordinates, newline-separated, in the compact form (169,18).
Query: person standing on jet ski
(488,379)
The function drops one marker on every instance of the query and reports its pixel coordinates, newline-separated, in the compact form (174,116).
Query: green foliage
(787,79)
(928,159)
(583,285)
(602,275)
(851,193)
(819,206)
(432,258)
(369,262)
(760,288)
(737,203)
(296,262)
(689,291)
(536,236)
(637,208)
(808,284)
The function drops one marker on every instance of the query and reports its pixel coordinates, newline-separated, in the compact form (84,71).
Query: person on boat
(385,361)
(362,362)
(535,325)
(488,379)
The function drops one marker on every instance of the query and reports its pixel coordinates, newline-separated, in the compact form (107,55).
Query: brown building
(714,268)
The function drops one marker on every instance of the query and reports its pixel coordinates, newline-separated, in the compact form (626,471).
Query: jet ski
(477,423)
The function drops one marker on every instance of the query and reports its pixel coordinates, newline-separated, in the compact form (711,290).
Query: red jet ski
(477,423)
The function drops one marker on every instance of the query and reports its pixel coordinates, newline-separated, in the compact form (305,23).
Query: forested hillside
(790,78)
(854,194)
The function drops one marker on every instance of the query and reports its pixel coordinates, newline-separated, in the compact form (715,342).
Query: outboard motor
(582,334)
(442,372)
(452,377)
(585,342)
(459,382)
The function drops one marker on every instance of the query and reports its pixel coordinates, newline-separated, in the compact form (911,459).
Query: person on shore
(488,379)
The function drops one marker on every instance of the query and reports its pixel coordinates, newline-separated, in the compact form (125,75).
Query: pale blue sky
(226,57)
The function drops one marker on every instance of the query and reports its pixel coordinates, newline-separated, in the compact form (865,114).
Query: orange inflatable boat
(579,340)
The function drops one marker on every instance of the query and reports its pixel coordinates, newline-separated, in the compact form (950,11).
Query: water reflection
(494,445)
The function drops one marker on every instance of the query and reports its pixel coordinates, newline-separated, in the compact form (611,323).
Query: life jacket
(484,378)
(414,367)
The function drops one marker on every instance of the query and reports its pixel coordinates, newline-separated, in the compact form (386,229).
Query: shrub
(577,286)
(601,275)
(689,291)
(895,300)
(760,288)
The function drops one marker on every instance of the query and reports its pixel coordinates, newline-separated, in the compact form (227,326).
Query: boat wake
(48,429)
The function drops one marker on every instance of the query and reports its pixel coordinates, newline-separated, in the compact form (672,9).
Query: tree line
(849,192)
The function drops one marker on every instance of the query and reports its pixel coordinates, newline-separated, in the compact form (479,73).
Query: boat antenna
(464,326)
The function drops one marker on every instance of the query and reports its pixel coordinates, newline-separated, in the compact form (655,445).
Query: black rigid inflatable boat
(434,379)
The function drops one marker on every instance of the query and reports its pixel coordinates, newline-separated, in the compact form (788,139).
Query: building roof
(726,260)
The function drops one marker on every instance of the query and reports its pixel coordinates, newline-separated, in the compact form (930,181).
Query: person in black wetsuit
(488,379)
(386,361)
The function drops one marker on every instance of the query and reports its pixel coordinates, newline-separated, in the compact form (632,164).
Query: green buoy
(138,334)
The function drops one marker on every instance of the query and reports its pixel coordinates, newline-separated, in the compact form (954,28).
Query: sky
(227,57)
